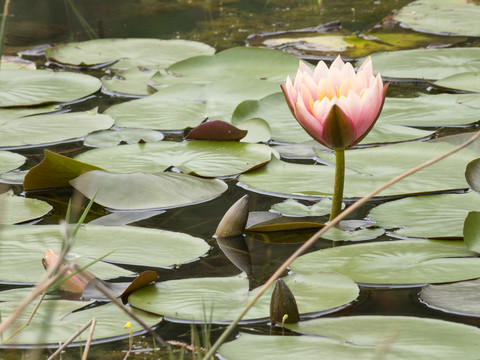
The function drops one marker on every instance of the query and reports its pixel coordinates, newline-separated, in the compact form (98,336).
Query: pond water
(222,25)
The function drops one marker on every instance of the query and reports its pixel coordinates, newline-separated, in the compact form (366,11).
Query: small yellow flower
(127,325)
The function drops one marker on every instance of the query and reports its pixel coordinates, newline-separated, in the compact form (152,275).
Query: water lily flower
(336,106)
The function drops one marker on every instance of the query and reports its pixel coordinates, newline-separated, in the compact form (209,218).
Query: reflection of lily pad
(431,216)
(361,338)
(16,209)
(151,247)
(395,262)
(61,322)
(34,87)
(204,158)
(225,296)
(146,191)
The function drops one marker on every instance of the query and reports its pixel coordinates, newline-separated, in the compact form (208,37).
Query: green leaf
(225,295)
(10,161)
(115,137)
(133,81)
(35,87)
(468,81)
(7,114)
(335,234)
(402,262)
(150,53)
(58,317)
(187,105)
(146,191)
(430,216)
(430,64)
(50,128)
(17,209)
(151,248)
(291,207)
(203,158)
(55,171)
(471,231)
(446,17)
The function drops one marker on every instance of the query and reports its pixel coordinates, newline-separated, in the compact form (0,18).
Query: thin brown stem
(89,339)
(72,338)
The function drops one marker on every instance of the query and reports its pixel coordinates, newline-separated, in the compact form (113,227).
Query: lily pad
(226,295)
(472,174)
(291,207)
(203,158)
(7,114)
(471,231)
(35,87)
(362,338)
(10,161)
(460,298)
(55,171)
(402,262)
(366,170)
(239,62)
(447,17)
(187,105)
(130,82)
(335,234)
(165,248)
(146,191)
(152,53)
(58,317)
(216,130)
(17,209)
(430,64)
(123,136)
(274,110)
(430,216)
(468,81)
(257,129)
(51,128)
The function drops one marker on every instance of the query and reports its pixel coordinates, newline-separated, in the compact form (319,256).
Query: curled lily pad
(204,158)
(174,298)
(17,209)
(403,262)
(146,191)
(50,128)
(62,321)
(35,87)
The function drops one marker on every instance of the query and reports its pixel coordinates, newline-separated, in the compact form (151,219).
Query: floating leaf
(17,209)
(335,234)
(468,81)
(402,262)
(35,87)
(429,216)
(153,53)
(471,231)
(165,248)
(10,161)
(292,207)
(187,105)
(50,128)
(130,82)
(361,338)
(115,137)
(430,64)
(203,158)
(216,130)
(257,129)
(58,317)
(146,191)
(55,171)
(7,114)
(225,295)
(452,17)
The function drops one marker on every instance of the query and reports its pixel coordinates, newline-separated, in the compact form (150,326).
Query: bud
(283,307)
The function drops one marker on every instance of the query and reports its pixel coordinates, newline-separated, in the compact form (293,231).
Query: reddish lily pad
(216,130)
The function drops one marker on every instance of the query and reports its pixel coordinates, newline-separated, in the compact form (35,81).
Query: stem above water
(339,183)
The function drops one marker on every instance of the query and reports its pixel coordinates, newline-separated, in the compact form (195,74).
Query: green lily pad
(402,262)
(35,87)
(10,161)
(153,53)
(430,216)
(165,248)
(50,128)
(7,114)
(472,174)
(17,209)
(460,298)
(187,105)
(203,158)
(257,129)
(58,317)
(226,295)
(240,62)
(335,234)
(366,170)
(274,110)
(291,207)
(471,231)
(130,82)
(452,17)
(361,338)
(468,81)
(129,136)
(430,64)
(146,191)
(55,171)
(450,110)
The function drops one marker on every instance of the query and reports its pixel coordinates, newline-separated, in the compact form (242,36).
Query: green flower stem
(339,182)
